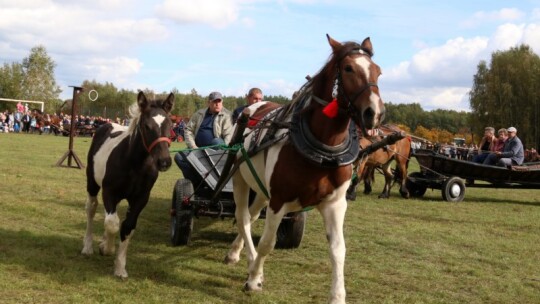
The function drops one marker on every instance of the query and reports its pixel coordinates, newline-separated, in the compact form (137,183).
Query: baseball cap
(215,96)
(512,129)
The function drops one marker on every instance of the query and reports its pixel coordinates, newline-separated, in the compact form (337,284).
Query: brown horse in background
(400,152)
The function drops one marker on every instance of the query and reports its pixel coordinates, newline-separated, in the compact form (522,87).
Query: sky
(428,50)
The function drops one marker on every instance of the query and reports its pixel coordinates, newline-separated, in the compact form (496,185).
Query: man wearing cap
(254,95)
(209,126)
(512,153)
(206,127)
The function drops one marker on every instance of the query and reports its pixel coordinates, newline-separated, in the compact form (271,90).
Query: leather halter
(350,109)
(155,142)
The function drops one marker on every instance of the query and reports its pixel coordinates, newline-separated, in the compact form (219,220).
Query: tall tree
(39,82)
(506,93)
(11,77)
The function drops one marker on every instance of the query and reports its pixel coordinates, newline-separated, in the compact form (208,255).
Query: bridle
(339,93)
(155,142)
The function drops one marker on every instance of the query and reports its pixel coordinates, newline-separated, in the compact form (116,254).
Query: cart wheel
(291,231)
(181,218)
(415,189)
(453,189)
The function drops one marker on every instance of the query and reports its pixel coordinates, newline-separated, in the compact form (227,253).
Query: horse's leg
(351,191)
(266,245)
(233,256)
(402,164)
(111,223)
(136,205)
(368,177)
(388,177)
(334,215)
(243,221)
(91,206)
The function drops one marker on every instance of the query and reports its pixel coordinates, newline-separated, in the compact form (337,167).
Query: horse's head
(356,82)
(154,126)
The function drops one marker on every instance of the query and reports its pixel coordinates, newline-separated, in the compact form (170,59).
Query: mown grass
(483,250)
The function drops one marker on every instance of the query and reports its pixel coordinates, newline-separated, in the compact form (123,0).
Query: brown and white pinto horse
(125,163)
(292,178)
(399,151)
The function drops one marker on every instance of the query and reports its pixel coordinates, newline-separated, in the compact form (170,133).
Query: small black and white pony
(125,163)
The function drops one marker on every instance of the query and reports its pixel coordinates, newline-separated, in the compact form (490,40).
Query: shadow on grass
(59,258)
(197,267)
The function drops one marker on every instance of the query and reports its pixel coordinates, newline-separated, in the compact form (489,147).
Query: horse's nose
(369,118)
(164,164)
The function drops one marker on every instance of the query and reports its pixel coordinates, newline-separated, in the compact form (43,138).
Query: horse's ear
(366,45)
(169,103)
(333,43)
(141,101)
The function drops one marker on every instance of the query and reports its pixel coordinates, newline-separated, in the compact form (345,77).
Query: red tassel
(331,109)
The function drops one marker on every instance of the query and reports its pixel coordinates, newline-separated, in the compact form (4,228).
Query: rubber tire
(182,218)
(291,231)
(453,189)
(415,189)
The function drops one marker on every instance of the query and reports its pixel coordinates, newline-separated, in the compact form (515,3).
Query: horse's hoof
(248,287)
(87,251)
(350,196)
(103,251)
(230,260)
(384,196)
(122,274)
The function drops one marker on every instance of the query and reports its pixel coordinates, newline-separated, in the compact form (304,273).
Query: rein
(155,142)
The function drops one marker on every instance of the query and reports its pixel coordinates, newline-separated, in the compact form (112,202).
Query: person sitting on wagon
(486,145)
(207,127)
(513,151)
(497,147)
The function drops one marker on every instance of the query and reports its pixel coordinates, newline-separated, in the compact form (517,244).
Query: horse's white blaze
(375,102)
(159,119)
(102,155)
(374,99)
(364,63)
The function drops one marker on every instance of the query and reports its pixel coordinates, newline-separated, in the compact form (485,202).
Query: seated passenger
(512,153)
(486,145)
(498,147)
(207,127)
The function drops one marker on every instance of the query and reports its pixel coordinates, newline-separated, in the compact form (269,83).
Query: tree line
(505,92)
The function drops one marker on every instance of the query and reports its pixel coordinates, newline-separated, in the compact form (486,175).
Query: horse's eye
(348,68)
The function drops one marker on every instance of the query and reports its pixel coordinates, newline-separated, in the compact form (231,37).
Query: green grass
(483,250)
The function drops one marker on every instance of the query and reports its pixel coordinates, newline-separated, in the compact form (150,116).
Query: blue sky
(428,50)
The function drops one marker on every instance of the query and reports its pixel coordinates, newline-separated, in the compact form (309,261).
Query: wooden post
(70,154)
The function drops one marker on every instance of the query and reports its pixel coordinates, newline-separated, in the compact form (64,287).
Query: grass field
(483,250)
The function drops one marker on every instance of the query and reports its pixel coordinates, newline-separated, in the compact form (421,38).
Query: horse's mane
(135,115)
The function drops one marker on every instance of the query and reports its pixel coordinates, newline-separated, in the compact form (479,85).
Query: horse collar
(314,150)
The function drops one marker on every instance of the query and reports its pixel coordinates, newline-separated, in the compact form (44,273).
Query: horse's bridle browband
(154,143)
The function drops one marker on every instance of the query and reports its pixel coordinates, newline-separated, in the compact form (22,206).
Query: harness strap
(252,169)
(157,141)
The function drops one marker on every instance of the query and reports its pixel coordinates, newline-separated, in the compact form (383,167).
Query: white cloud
(441,76)
(502,15)
(120,69)
(448,98)
(217,14)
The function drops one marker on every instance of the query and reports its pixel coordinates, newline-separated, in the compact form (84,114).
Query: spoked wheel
(453,189)
(291,231)
(415,189)
(181,217)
